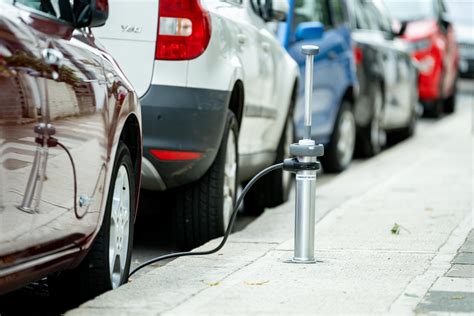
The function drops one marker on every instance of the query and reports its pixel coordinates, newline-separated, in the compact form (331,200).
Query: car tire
(98,273)
(340,150)
(373,137)
(450,102)
(204,208)
(273,189)
(435,108)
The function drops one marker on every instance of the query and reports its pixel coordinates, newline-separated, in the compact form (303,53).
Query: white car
(217,93)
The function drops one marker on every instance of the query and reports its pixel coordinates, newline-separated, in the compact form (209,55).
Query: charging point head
(310,49)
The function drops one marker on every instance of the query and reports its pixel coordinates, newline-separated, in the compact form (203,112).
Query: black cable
(227,232)
(75,180)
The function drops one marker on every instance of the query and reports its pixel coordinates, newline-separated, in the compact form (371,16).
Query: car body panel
(140,30)
(461,14)
(88,103)
(439,57)
(334,74)
(386,62)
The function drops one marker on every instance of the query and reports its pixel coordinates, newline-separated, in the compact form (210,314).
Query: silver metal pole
(308,96)
(306,151)
(305,213)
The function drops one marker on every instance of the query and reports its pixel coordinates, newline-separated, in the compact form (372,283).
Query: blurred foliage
(23,60)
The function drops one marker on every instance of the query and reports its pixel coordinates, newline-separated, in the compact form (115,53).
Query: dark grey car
(387,76)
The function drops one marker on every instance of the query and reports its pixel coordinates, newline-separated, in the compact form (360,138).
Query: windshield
(411,10)
(461,11)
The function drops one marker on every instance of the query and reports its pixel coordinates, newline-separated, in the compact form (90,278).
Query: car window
(366,17)
(380,20)
(338,12)
(384,18)
(58,9)
(312,10)
(238,2)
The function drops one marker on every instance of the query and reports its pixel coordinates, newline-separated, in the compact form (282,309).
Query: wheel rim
(230,177)
(289,137)
(377,134)
(346,141)
(119,227)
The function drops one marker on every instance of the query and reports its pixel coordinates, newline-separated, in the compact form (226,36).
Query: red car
(70,151)
(430,34)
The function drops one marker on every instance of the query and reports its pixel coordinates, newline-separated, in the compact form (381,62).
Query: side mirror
(309,31)
(280,10)
(90,13)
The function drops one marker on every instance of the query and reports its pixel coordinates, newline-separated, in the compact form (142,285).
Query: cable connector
(51,141)
(293,165)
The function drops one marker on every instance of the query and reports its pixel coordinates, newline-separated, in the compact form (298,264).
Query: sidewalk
(423,185)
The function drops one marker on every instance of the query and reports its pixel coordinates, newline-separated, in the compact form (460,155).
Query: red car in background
(427,28)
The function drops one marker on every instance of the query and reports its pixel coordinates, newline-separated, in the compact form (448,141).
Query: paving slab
(448,284)
(461,271)
(449,302)
(464,258)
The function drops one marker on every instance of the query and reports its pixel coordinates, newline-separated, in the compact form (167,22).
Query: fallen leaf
(256,282)
(213,283)
(395,229)
(457,297)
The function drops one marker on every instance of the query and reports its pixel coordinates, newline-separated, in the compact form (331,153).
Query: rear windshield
(411,10)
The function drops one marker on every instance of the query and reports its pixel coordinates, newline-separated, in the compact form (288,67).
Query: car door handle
(266,47)
(241,38)
(332,55)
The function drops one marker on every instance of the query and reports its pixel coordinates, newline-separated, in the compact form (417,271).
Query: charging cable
(227,232)
(53,142)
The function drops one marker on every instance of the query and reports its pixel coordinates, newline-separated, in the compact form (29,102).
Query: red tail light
(173,155)
(357,55)
(184,30)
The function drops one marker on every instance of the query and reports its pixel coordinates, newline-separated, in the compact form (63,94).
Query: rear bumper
(181,119)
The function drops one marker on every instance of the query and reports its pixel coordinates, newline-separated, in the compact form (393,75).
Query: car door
(75,107)
(265,112)
(244,38)
(21,159)
(329,68)
(405,89)
(451,58)
(397,73)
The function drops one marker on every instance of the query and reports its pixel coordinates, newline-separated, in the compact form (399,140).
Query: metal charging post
(306,166)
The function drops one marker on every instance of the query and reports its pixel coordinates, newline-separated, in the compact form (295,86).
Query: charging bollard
(305,165)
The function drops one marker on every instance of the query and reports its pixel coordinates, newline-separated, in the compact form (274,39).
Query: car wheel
(339,152)
(450,102)
(373,137)
(204,208)
(107,264)
(273,189)
(435,108)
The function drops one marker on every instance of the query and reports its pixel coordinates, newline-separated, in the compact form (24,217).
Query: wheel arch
(237,99)
(349,95)
(132,138)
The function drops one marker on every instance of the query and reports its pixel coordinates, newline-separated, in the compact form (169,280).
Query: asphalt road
(153,233)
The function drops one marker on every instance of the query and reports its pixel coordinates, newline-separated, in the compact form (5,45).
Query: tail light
(174,155)
(357,55)
(184,30)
